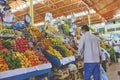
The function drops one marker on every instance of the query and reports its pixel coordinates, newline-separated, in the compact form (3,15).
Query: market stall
(39,38)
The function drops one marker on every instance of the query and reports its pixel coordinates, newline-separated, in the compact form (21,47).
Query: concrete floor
(112,71)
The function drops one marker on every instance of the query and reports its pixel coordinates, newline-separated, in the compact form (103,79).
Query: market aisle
(112,71)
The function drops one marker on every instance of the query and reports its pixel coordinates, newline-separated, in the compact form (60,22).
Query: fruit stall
(26,52)
(45,51)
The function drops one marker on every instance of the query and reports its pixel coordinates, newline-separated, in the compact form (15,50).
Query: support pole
(89,21)
(31,12)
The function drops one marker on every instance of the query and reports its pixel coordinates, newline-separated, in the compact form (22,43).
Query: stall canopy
(99,10)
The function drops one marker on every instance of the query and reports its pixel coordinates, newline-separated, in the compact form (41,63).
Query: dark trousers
(104,65)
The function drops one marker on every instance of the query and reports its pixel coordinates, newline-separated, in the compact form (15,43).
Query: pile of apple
(1,47)
(22,45)
(3,64)
(41,57)
(35,58)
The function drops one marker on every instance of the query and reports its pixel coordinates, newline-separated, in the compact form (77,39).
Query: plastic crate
(54,60)
(59,62)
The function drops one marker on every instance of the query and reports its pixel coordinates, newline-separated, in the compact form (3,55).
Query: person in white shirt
(104,56)
(89,47)
(117,49)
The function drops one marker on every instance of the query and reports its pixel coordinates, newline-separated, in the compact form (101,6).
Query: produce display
(7,31)
(22,45)
(71,48)
(56,41)
(41,57)
(13,60)
(54,52)
(66,28)
(67,51)
(15,52)
(10,60)
(23,60)
(3,64)
(6,42)
(1,46)
(34,31)
(45,43)
(61,50)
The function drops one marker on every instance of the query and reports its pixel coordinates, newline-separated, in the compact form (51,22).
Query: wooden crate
(63,74)
(74,75)
(79,65)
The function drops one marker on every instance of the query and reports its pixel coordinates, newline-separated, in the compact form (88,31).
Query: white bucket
(119,60)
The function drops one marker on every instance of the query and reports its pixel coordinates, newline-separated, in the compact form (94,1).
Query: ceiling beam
(99,1)
(108,5)
(40,7)
(57,8)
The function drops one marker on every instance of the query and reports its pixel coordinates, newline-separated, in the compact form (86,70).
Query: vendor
(35,44)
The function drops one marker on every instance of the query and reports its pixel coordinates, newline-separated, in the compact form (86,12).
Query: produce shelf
(59,62)
(7,36)
(24,73)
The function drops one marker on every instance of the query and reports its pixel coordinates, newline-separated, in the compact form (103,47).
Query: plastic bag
(103,74)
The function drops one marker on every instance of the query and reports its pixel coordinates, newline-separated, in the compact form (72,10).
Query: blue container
(54,60)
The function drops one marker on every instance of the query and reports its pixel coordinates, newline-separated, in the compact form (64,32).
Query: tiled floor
(112,71)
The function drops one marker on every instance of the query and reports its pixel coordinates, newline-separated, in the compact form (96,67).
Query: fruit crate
(74,75)
(54,60)
(59,62)
(62,75)
(79,65)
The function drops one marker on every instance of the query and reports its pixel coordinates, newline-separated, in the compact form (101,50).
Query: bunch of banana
(54,52)
(45,43)
(35,32)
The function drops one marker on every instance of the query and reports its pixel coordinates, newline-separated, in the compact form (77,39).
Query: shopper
(104,55)
(35,44)
(117,49)
(89,47)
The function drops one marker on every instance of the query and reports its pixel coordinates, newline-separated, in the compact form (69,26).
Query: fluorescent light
(38,24)
(117,15)
(91,11)
(69,16)
(20,7)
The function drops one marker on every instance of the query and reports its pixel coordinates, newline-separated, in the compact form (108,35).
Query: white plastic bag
(103,74)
